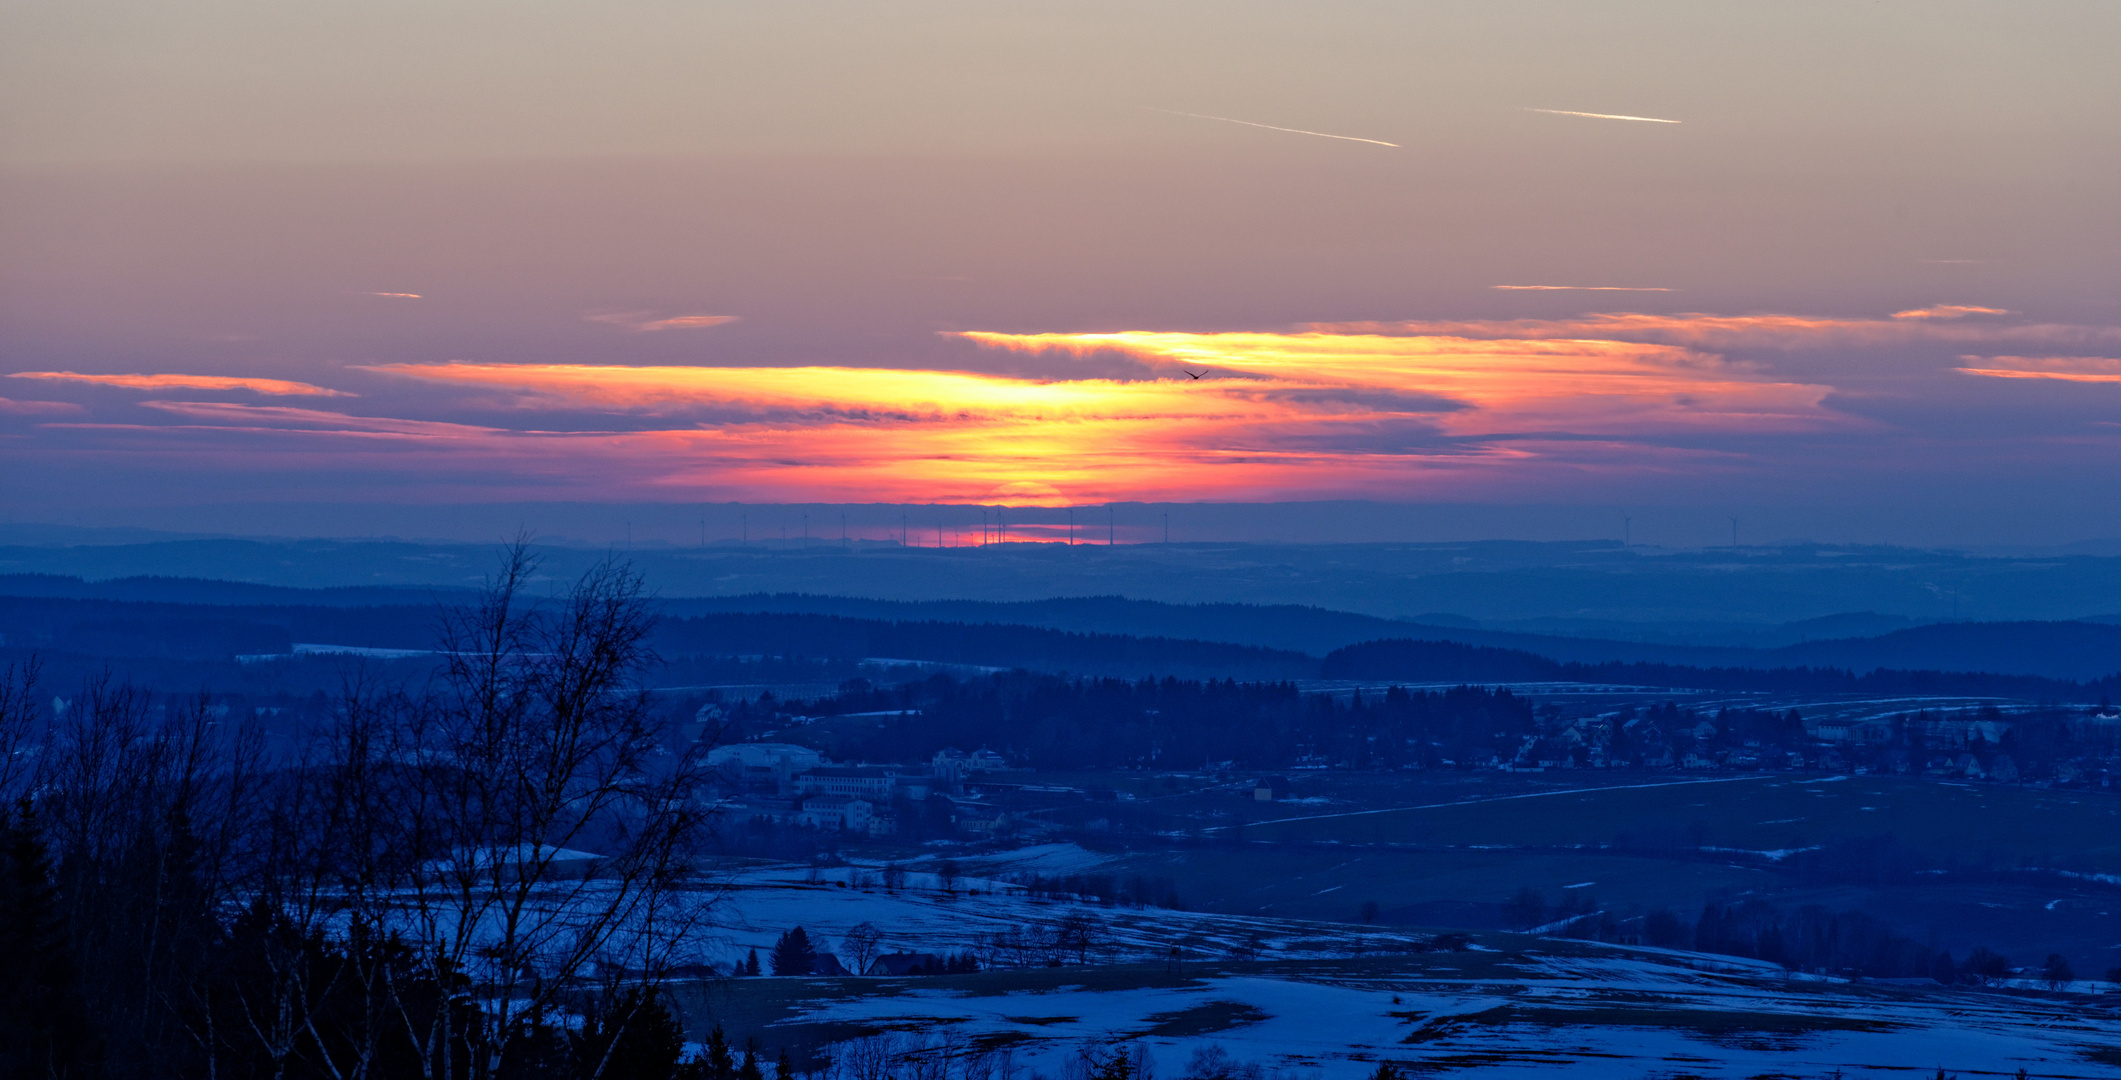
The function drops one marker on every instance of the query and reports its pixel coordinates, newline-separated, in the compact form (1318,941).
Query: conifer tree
(720,1064)
(793,954)
(43,1027)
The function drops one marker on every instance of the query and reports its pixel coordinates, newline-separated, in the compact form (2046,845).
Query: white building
(952,766)
(835,812)
(848,781)
(763,763)
(765,755)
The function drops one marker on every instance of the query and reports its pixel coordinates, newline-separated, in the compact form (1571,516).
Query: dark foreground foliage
(176,902)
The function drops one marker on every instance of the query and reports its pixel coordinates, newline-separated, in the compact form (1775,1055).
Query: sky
(1815,263)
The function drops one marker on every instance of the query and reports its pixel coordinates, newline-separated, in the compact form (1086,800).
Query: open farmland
(1996,824)
(1508,1007)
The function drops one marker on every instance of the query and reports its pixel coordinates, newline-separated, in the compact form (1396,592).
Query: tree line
(485,875)
(1811,938)
(1415,661)
(1057,722)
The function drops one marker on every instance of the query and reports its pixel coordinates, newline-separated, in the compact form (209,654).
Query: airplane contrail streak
(1602,116)
(1581,288)
(1271,127)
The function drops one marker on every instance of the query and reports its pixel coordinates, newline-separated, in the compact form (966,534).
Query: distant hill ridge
(1273,638)
(2068,650)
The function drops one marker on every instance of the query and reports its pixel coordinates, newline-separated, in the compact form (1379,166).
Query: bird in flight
(1191,375)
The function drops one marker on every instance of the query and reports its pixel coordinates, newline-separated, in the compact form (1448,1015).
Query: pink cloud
(288,419)
(2089,369)
(38,408)
(639,322)
(1780,332)
(277,387)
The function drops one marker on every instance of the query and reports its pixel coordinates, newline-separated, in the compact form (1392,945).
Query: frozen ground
(760,905)
(1583,1016)
(1330,1000)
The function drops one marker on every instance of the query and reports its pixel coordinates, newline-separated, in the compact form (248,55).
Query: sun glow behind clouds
(1278,414)
(1405,410)
(1506,386)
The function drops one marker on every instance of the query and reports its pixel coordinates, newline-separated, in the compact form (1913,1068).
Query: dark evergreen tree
(751,963)
(718,1063)
(633,1037)
(44,1028)
(793,954)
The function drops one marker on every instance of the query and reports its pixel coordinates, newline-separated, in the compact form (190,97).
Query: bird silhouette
(1191,375)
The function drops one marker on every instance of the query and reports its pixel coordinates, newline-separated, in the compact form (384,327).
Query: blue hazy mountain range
(205,619)
(1745,596)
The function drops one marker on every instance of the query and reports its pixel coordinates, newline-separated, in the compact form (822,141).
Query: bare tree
(18,717)
(552,833)
(149,813)
(1078,935)
(862,942)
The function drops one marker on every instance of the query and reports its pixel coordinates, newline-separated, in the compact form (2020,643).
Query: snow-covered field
(760,905)
(1593,1018)
(1330,1000)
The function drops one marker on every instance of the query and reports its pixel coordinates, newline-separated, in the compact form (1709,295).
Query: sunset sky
(1791,259)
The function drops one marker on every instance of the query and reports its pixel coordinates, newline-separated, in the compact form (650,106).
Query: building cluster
(2053,745)
(789,784)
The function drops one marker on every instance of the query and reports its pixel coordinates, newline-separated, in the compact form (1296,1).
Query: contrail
(1602,116)
(396,295)
(1581,288)
(1271,127)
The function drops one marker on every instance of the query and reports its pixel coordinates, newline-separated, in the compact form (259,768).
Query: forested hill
(216,593)
(2071,651)
(211,632)
(1404,660)
(982,644)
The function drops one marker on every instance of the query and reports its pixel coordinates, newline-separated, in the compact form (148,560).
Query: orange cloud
(281,387)
(640,323)
(1947,311)
(1507,385)
(1780,332)
(852,394)
(2092,369)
